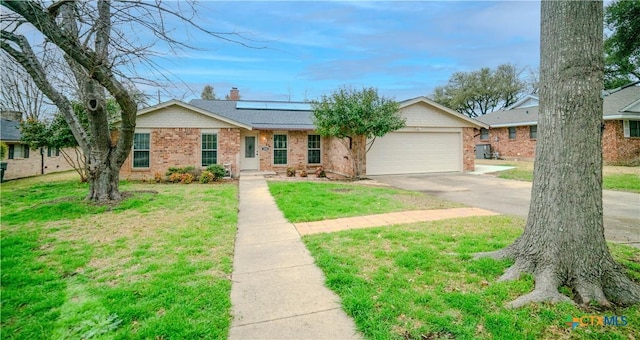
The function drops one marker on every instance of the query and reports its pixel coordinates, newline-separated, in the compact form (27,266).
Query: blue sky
(307,49)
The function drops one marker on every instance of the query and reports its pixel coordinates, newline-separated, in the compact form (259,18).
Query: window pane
(484,133)
(141,141)
(533,131)
(313,149)
(634,128)
(209,142)
(279,156)
(249,147)
(512,133)
(314,156)
(209,157)
(141,159)
(313,142)
(26,151)
(280,141)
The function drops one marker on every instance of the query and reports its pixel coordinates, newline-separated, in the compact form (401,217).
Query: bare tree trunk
(563,242)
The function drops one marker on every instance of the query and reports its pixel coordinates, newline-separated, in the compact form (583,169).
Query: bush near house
(217,170)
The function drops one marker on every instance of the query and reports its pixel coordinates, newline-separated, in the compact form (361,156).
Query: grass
(156,265)
(621,178)
(303,201)
(419,281)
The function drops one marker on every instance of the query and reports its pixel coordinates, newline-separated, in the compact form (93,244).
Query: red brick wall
(332,153)
(229,149)
(180,147)
(336,157)
(522,147)
(468,149)
(265,140)
(615,147)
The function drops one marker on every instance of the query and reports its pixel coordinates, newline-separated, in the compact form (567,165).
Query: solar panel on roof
(251,105)
(282,106)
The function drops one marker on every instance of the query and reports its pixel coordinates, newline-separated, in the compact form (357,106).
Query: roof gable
(526,101)
(421,111)
(175,113)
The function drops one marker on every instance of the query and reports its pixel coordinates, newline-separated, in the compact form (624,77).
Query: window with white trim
(209,149)
(141,150)
(53,152)
(512,132)
(280,149)
(631,128)
(18,151)
(313,149)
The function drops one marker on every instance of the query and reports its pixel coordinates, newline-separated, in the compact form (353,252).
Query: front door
(249,153)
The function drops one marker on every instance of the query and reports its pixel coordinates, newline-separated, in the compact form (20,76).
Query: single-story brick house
(513,131)
(23,162)
(272,136)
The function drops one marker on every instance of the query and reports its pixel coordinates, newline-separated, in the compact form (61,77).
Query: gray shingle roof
(259,119)
(9,130)
(612,105)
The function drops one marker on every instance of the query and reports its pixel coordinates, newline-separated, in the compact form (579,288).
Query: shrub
(217,170)
(186,178)
(206,177)
(157,177)
(303,173)
(175,169)
(4,150)
(175,177)
(291,172)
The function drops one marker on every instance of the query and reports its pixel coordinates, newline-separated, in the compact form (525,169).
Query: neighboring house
(513,131)
(21,161)
(272,136)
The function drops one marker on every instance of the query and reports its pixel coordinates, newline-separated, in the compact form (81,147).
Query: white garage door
(415,152)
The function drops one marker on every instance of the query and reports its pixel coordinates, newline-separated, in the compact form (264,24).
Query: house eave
(513,124)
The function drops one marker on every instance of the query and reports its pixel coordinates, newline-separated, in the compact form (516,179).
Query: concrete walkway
(379,220)
(277,291)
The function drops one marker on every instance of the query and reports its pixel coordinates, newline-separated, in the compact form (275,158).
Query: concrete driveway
(621,209)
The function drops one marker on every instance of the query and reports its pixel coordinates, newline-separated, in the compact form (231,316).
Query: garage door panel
(414,152)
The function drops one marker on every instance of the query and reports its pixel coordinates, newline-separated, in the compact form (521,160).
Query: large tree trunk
(359,155)
(563,242)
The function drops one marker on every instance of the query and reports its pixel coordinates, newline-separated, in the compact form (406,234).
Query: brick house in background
(513,131)
(272,136)
(22,161)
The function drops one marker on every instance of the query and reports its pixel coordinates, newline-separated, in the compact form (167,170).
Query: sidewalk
(277,290)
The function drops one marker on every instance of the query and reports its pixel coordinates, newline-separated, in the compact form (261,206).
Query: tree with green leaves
(56,134)
(356,118)
(563,243)
(482,91)
(622,45)
(208,93)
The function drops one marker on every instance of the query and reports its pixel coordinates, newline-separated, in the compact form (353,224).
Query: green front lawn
(419,281)
(303,201)
(621,178)
(155,266)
